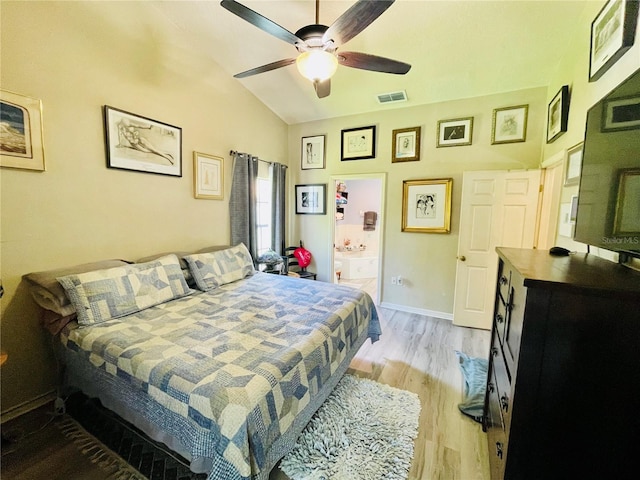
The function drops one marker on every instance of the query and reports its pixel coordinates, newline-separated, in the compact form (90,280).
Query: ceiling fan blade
(323,89)
(354,20)
(266,68)
(261,22)
(364,61)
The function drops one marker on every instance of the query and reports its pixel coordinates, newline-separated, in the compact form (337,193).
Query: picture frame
(141,144)
(311,199)
(358,143)
(208,176)
(627,220)
(312,155)
(455,132)
(574,165)
(426,205)
(621,114)
(406,144)
(558,114)
(22,144)
(612,34)
(509,124)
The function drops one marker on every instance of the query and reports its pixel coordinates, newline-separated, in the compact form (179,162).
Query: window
(264,207)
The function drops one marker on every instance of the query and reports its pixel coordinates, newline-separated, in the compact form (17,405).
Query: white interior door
(499,209)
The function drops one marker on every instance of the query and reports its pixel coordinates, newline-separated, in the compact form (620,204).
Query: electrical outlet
(59,407)
(400,280)
(394,280)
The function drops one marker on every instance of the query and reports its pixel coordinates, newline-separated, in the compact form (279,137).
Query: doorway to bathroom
(357,240)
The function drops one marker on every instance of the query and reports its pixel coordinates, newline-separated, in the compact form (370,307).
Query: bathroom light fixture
(317,65)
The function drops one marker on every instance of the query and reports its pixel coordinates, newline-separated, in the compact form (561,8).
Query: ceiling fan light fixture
(317,65)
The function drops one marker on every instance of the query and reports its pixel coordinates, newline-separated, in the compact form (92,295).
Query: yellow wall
(426,261)
(78,210)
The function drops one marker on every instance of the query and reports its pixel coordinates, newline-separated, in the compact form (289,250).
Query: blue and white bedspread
(235,373)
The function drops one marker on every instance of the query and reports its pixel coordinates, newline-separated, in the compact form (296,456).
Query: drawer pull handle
(499,450)
(490,387)
(504,402)
(503,280)
(499,318)
(494,351)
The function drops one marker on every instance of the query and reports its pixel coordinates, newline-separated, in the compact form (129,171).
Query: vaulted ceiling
(457,49)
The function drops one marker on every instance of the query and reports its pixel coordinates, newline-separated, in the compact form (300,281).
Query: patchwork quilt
(238,364)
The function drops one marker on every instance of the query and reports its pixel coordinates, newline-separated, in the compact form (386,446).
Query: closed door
(499,209)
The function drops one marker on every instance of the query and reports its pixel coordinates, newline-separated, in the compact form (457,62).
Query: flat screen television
(608,213)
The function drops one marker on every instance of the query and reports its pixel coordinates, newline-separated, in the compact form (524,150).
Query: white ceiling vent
(393,97)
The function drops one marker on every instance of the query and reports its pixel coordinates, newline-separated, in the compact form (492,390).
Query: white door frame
(381,219)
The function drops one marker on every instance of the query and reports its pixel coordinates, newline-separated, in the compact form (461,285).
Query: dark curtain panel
(278,213)
(242,202)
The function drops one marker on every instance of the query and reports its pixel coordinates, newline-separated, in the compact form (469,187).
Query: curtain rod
(234,152)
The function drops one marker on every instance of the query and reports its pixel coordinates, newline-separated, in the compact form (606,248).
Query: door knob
(462,258)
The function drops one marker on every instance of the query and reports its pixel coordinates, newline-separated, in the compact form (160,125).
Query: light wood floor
(417,353)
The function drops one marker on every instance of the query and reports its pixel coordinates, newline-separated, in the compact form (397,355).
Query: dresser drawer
(500,318)
(504,281)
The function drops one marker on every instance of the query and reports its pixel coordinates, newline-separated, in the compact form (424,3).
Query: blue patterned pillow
(103,295)
(210,270)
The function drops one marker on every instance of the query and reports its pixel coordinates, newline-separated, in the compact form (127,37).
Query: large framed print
(358,143)
(455,132)
(406,144)
(141,144)
(621,114)
(22,141)
(558,114)
(509,124)
(612,34)
(208,176)
(426,205)
(311,199)
(312,155)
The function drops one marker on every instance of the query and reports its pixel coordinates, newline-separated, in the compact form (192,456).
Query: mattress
(227,378)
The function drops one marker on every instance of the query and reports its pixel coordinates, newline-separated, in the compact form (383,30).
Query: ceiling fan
(318,44)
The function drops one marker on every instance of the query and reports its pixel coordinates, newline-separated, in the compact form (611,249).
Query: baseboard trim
(27,406)
(419,311)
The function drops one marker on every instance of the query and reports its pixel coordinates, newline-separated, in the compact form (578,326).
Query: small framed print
(574,165)
(312,155)
(455,132)
(358,143)
(22,141)
(627,220)
(141,144)
(558,114)
(311,199)
(406,145)
(208,176)
(509,124)
(426,205)
(612,34)
(621,114)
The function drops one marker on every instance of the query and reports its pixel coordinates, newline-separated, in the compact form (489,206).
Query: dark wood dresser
(563,391)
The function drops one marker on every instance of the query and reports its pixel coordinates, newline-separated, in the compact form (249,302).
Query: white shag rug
(364,430)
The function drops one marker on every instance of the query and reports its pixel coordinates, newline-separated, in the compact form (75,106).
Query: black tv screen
(608,214)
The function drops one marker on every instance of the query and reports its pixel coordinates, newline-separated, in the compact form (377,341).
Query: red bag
(303,255)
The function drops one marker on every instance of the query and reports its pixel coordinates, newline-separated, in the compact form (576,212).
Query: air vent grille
(393,97)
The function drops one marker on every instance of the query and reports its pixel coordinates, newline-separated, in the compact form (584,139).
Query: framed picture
(406,145)
(426,205)
(627,220)
(312,155)
(574,165)
(208,176)
(612,34)
(358,143)
(455,132)
(311,199)
(621,114)
(509,124)
(141,144)
(558,114)
(22,141)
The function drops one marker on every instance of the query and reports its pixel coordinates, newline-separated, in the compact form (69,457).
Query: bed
(227,374)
